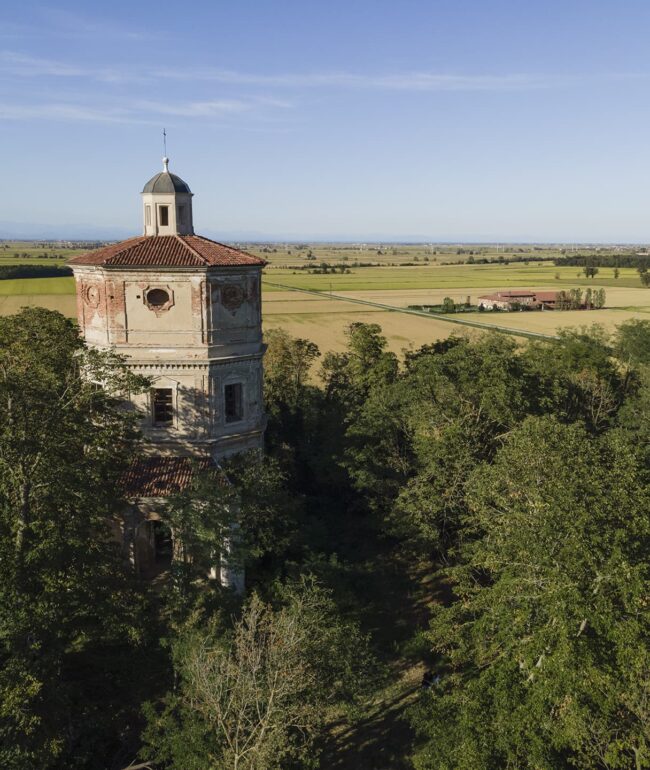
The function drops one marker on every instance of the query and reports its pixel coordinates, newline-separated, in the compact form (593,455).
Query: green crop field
(385,254)
(450,276)
(36,286)
(4,260)
(41,252)
(341,254)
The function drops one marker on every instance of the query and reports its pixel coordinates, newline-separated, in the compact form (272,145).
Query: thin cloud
(135,112)
(410,81)
(20,65)
(56,111)
(67,24)
(29,66)
(200,108)
(64,25)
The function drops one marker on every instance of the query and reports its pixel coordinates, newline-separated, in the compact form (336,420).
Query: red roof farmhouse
(507,300)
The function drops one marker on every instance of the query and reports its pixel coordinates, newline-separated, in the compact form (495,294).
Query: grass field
(324,321)
(452,277)
(39,252)
(36,286)
(64,303)
(311,254)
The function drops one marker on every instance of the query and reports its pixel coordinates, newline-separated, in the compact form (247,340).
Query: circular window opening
(157,297)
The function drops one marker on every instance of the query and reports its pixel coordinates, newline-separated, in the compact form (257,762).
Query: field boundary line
(421,313)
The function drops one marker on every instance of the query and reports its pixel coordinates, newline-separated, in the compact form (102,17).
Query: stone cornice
(185,365)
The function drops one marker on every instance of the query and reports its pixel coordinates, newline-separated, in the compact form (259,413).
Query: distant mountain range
(80,232)
(29,231)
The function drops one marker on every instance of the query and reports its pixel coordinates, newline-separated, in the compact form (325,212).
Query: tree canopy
(64,594)
(476,508)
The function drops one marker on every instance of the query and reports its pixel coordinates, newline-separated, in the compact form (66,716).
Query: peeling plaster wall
(208,335)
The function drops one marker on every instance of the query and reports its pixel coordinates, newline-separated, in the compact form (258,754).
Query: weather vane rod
(165,142)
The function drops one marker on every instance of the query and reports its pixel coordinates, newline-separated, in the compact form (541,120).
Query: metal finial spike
(164,142)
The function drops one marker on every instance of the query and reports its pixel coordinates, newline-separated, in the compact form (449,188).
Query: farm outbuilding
(518,298)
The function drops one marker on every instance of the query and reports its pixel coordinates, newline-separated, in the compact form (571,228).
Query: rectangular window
(181,215)
(233,402)
(163,406)
(147,215)
(164,216)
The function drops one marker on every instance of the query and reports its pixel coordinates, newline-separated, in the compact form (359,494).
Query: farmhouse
(517,298)
(185,311)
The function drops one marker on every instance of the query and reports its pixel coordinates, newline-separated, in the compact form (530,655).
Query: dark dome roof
(166,183)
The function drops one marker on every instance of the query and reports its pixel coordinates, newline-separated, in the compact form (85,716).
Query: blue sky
(355,119)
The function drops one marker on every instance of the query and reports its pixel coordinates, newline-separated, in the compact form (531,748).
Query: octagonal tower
(186,311)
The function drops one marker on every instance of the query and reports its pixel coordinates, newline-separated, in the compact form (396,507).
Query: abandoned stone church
(186,312)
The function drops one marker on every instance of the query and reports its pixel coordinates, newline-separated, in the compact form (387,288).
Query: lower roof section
(163,476)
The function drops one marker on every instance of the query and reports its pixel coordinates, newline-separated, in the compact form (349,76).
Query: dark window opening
(163,407)
(163,546)
(181,215)
(164,216)
(233,399)
(157,297)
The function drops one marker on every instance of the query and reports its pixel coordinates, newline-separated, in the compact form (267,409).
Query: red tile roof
(167,251)
(509,294)
(163,476)
(546,296)
(535,296)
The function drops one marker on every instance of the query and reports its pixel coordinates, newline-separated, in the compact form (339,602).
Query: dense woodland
(513,476)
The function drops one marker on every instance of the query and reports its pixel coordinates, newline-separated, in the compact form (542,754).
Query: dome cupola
(167,204)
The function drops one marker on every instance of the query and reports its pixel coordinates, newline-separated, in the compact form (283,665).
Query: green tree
(590,271)
(634,415)
(66,610)
(256,697)
(577,380)
(632,341)
(245,502)
(548,632)
(351,375)
(287,365)
(415,442)
(448,305)
(575,299)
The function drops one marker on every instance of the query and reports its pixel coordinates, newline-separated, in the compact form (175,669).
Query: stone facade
(205,336)
(186,312)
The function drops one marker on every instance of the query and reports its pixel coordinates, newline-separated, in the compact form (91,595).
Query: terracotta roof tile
(167,251)
(546,296)
(535,296)
(163,476)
